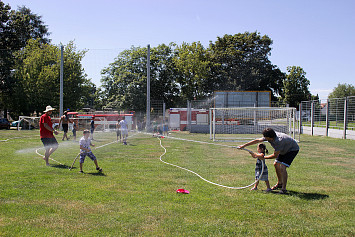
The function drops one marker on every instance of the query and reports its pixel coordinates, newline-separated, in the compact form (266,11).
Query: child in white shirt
(85,150)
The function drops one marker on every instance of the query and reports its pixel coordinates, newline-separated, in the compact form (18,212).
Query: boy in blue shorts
(286,149)
(85,150)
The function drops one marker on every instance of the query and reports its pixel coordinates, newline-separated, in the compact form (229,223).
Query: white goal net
(246,123)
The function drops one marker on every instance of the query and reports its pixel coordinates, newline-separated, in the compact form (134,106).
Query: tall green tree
(193,64)
(295,86)
(36,78)
(342,90)
(124,82)
(16,28)
(164,75)
(241,62)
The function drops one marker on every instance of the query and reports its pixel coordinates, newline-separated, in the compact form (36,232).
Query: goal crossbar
(240,122)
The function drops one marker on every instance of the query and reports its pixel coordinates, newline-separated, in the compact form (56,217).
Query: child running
(124,130)
(118,130)
(85,150)
(258,167)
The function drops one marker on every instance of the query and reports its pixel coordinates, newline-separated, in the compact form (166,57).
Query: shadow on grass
(96,174)
(60,166)
(305,196)
(91,173)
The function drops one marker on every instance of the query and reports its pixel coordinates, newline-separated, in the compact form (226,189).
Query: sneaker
(81,172)
(254,188)
(283,191)
(268,190)
(99,169)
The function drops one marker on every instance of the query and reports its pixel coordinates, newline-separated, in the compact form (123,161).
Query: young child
(74,129)
(85,150)
(124,130)
(118,130)
(258,167)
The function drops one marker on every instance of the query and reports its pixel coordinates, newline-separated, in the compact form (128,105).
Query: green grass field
(135,195)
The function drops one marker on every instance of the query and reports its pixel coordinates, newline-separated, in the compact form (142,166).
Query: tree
(124,82)
(36,78)
(16,28)
(295,86)
(193,65)
(164,75)
(342,90)
(240,62)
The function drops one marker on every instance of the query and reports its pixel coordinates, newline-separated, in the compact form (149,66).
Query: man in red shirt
(46,133)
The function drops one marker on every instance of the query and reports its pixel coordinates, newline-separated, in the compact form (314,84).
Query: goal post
(246,123)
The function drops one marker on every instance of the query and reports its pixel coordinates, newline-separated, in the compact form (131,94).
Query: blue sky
(317,35)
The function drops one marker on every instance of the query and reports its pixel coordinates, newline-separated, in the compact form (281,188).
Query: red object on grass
(181,190)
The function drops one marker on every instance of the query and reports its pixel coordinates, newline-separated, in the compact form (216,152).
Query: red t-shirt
(44,132)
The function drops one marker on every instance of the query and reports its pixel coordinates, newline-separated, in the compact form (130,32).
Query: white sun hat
(49,108)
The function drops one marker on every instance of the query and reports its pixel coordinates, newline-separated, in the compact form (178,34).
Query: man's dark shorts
(49,142)
(65,127)
(287,158)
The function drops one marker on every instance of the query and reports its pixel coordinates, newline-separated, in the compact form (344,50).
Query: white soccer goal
(246,123)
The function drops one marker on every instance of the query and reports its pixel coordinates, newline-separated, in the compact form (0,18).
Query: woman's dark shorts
(49,142)
(287,158)
(65,127)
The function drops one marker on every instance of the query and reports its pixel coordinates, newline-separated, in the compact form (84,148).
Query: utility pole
(148,90)
(61,81)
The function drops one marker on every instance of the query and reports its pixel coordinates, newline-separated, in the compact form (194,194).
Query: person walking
(64,121)
(46,131)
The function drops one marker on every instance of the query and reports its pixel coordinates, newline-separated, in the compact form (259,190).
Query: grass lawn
(135,195)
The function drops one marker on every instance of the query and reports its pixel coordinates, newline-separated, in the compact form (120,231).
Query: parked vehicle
(15,123)
(4,123)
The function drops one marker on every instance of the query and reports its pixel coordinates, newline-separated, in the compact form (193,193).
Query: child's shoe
(268,190)
(254,188)
(99,169)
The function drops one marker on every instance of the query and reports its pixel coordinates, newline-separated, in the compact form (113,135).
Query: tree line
(30,68)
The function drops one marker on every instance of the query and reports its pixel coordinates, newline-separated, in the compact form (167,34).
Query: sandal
(99,169)
(276,186)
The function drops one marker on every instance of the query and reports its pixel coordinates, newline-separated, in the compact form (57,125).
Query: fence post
(188,128)
(327,120)
(300,118)
(312,116)
(210,115)
(163,122)
(345,116)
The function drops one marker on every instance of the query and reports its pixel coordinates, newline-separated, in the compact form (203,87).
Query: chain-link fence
(333,117)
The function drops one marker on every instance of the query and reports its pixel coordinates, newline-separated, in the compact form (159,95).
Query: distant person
(46,131)
(165,129)
(92,127)
(124,130)
(258,167)
(74,129)
(85,150)
(118,130)
(286,149)
(64,121)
